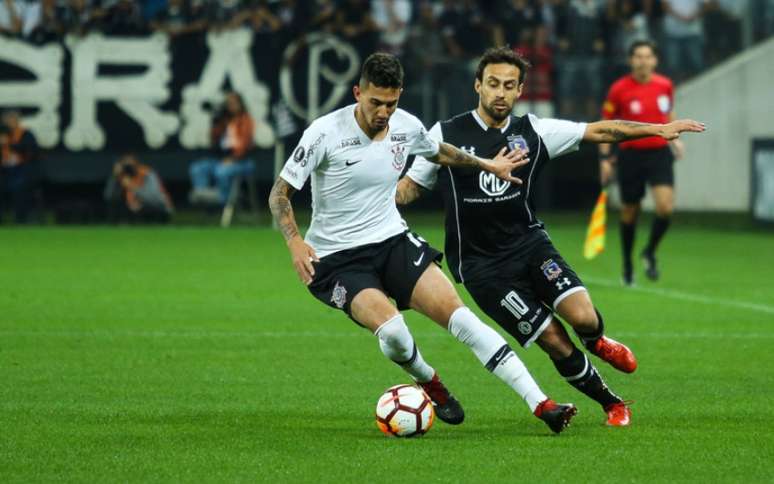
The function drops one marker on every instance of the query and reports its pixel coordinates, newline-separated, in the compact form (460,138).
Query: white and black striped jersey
(354,178)
(486,217)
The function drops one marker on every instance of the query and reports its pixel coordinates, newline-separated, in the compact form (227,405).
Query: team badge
(635,106)
(664,105)
(399,159)
(339,297)
(524,327)
(517,141)
(551,269)
(299,156)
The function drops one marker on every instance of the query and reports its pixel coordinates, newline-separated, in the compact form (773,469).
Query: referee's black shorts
(638,167)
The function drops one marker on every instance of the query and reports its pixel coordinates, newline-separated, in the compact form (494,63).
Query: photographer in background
(18,149)
(135,193)
(231,138)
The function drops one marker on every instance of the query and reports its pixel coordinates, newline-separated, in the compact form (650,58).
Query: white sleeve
(419,142)
(305,158)
(559,136)
(425,172)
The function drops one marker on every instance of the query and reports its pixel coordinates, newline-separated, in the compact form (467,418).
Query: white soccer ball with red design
(404,411)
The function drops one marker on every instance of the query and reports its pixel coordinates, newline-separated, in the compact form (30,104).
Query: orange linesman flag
(595,235)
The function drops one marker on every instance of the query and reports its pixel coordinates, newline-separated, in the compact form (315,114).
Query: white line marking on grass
(686,296)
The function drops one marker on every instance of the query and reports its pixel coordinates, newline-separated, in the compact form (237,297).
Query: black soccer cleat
(651,269)
(447,408)
(628,275)
(556,415)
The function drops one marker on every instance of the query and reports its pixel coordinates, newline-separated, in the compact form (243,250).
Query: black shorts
(638,167)
(522,296)
(393,266)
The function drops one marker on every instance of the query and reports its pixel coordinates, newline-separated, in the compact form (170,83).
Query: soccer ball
(404,411)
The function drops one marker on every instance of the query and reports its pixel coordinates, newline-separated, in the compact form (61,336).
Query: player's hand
(504,163)
(606,169)
(302,255)
(672,130)
(678,148)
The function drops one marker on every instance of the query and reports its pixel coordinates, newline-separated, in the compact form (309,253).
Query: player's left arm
(677,146)
(408,191)
(615,130)
(501,165)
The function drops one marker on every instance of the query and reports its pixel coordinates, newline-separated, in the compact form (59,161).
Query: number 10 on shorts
(513,303)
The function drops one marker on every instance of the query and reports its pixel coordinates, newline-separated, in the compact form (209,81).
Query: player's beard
(496,114)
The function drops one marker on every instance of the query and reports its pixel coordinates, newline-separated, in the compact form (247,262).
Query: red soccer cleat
(556,415)
(619,414)
(617,354)
(447,408)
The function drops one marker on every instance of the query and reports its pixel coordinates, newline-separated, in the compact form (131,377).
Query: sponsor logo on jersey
(471,150)
(635,106)
(517,141)
(551,269)
(398,138)
(352,162)
(350,142)
(299,156)
(399,159)
(664,105)
(491,185)
(564,282)
(339,297)
(313,147)
(524,327)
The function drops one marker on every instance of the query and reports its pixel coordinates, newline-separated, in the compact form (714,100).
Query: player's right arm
(408,191)
(301,253)
(305,158)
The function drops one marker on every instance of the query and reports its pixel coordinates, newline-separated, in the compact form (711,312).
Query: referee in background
(647,97)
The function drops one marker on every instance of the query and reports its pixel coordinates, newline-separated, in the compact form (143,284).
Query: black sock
(581,374)
(657,231)
(589,339)
(627,242)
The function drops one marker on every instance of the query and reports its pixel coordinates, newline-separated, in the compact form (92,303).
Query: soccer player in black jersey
(495,244)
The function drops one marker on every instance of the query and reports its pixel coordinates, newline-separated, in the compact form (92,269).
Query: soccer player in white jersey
(498,248)
(358,252)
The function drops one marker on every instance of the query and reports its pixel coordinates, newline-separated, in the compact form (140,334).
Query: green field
(195,355)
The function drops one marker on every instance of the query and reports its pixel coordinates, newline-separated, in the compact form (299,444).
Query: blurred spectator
(579,56)
(723,24)
(762,13)
(354,22)
(49,28)
(263,20)
(19,18)
(465,29)
(225,14)
(515,17)
(80,16)
(232,140)
(178,18)
(18,150)
(537,96)
(135,192)
(683,44)
(122,17)
(392,19)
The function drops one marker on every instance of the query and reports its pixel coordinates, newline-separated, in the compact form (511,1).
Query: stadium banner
(98,96)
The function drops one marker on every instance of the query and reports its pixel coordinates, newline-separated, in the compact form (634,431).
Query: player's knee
(395,338)
(665,209)
(581,315)
(555,342)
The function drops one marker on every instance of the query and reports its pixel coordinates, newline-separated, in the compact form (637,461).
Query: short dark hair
(502,55)
(643,43)
(382,70)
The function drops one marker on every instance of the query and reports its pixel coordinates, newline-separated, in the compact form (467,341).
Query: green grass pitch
(195,355)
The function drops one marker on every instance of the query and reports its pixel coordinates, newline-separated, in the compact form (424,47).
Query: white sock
(494,353)
(397,344)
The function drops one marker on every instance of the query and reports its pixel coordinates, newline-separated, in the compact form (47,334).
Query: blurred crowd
(569,42)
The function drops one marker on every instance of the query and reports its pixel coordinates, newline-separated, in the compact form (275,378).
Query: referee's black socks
(627,242)
(657,231)
(581,374)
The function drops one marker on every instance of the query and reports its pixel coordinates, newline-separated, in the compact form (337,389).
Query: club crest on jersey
(339,297)
(491,185)
(517,141)
(551,269)
(399,159)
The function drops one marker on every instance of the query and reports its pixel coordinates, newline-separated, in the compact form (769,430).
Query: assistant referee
(647,97)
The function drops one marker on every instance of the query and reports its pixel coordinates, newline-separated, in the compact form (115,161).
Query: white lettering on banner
(229,60)
(139,95)
(318,43)
(42,93)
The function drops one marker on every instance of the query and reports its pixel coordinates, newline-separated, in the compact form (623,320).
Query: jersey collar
(484,126)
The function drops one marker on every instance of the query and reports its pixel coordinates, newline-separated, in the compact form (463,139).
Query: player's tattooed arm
(282,210)
(614,131)
(300,252)
(408,191)
(501,165)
